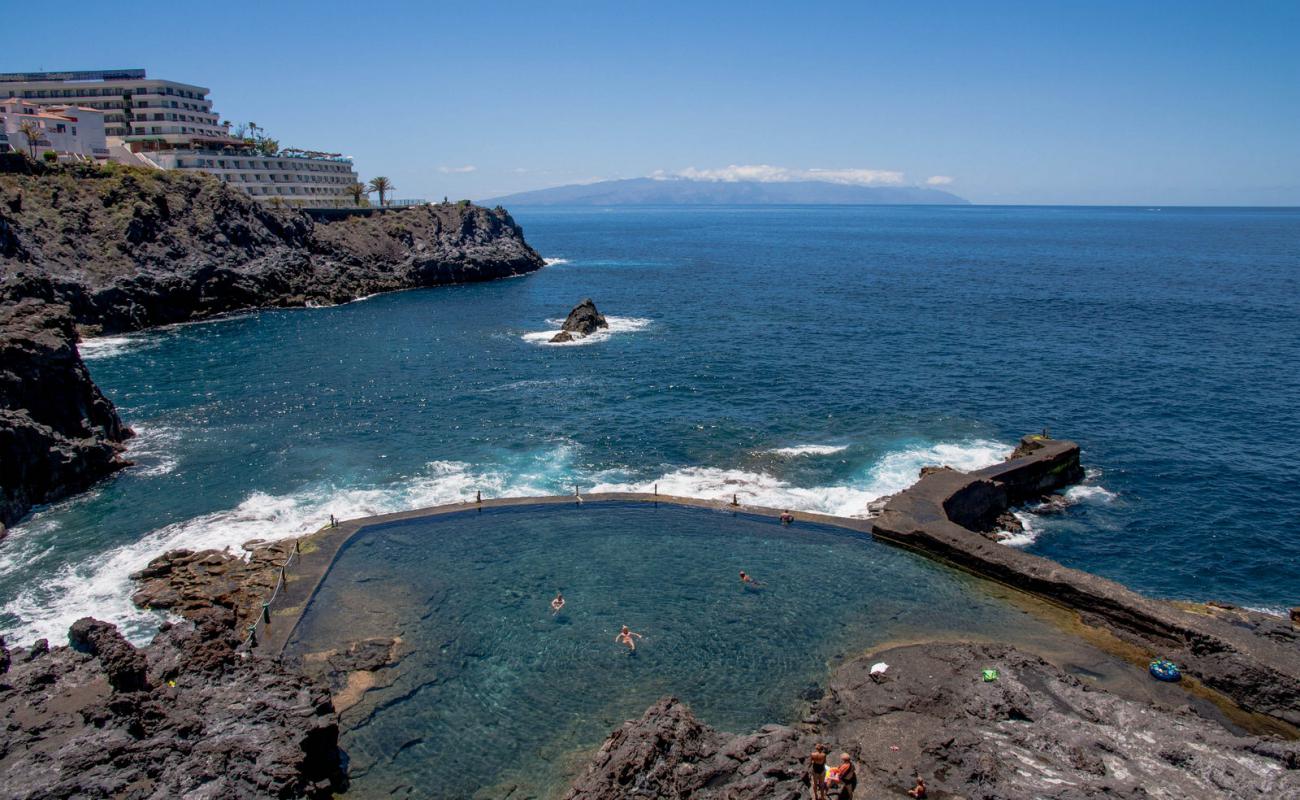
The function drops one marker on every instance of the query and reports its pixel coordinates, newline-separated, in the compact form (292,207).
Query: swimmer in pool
(786,517)
(557,603)
(628,637)
(746,580)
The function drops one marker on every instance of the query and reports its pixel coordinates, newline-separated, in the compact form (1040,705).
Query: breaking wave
(616,325)
(550,262)
(101,586)
(110,346)
(893,473)
(809,450)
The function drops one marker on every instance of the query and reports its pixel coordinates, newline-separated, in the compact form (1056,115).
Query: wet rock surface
(1035,731)
(114,250)
(188,582)
(185,716)
(583,320)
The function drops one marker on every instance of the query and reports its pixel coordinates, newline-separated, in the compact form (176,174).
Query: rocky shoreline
(1036,730)
(107,250)
(1033,731)
(187,716)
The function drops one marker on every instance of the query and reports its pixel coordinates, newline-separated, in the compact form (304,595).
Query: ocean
(803,357)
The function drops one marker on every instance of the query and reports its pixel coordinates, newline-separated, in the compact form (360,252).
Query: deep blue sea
(813,358)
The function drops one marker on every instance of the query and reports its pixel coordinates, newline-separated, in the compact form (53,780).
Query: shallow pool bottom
(494,695)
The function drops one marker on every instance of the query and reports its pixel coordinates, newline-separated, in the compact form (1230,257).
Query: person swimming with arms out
(557,603)
(628,637)
(748,582)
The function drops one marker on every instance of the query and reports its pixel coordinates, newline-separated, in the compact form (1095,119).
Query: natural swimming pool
(496,696)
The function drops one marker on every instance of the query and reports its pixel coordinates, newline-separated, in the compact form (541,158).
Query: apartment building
(73,133)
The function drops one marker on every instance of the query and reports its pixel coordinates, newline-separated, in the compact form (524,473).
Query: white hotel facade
(172,125)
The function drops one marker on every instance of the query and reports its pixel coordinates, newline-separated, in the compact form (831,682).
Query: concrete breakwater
(1251,658)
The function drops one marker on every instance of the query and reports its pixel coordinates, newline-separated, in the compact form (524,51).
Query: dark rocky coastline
(1035,731)
(58,433)
(186,716)
(116,250)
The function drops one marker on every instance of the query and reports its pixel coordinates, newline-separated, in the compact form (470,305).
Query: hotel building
(172,125)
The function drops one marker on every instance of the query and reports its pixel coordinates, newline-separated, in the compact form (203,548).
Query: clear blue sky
(1035,102)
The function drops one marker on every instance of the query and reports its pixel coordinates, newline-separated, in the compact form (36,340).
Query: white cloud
(938,180)
(458,170)
(765,173)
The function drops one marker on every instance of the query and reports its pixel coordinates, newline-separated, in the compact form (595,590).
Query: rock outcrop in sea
(186,716)
(120,249)
(583,320)
(1033,731)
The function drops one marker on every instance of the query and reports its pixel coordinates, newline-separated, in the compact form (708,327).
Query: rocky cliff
(186,716)
(120,249)
(1035,731)
(58,433)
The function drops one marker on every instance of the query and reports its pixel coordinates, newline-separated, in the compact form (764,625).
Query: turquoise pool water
(497,696)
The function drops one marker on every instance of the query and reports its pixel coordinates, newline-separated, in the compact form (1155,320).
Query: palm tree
(358,191)
(381,185)
(32,132)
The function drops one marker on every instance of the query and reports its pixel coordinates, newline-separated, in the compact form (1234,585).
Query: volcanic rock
(187,582)
(185,716)
(583,320)
(58,433)
(1035,731)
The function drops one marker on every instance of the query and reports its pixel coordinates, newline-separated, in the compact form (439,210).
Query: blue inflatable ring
(1165,670)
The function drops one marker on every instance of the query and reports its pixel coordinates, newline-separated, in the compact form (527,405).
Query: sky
(1037,102)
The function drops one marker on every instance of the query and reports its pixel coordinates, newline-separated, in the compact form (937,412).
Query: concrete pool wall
(1254,670)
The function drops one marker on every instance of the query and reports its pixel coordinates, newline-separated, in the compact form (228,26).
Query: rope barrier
(265,616)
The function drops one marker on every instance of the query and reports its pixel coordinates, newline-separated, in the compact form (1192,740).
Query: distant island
(684,191)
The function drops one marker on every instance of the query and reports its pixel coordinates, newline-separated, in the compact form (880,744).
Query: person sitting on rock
(919,789)
(845,776)
(557,603)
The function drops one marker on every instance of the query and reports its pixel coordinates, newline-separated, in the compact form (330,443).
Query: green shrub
(50,156)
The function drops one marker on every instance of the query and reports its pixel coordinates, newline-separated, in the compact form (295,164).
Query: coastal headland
(966,737)
(100,250)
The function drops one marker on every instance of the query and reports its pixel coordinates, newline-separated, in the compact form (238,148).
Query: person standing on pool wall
(626,636)
(557,603)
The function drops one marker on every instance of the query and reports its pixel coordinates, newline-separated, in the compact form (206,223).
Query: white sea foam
(616,325)
(1025,537)
(101,585)
(809,450)
(1272,611)
(109,346)
(153,449)
(550,262)
(1086,493)
(893,473)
